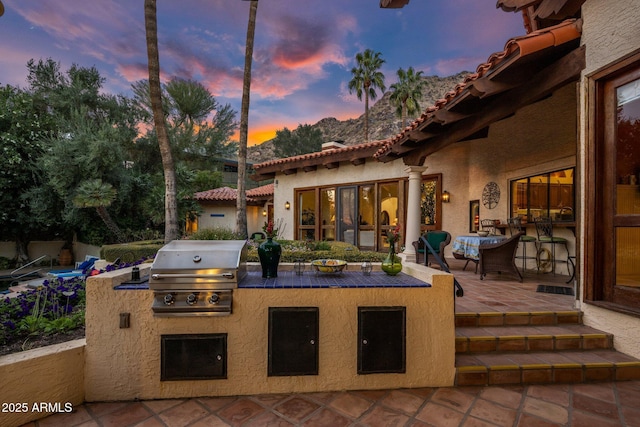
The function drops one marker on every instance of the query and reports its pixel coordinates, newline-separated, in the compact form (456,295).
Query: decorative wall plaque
(490,195)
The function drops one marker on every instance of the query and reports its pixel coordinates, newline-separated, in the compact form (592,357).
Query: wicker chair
(438,240)
(500,257)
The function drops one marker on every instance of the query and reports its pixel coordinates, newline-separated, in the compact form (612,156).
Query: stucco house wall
(610,32)
(539,138)
(224,216)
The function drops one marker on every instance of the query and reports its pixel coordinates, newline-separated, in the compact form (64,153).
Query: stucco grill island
(306,333)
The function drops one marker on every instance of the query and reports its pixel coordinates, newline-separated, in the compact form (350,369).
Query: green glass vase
(392,264)
(269,253)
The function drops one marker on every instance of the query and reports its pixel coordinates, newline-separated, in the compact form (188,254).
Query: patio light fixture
(287,205)
(446,197)
(264,212)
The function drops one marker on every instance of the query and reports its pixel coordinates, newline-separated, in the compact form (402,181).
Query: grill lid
(188,264)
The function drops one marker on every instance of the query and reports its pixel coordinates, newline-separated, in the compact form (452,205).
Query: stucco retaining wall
(44,378)
(124,364)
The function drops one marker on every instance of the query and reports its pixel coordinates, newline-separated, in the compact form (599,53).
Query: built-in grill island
(209,324)
(197,277)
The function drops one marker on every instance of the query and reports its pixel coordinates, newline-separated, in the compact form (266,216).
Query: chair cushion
(553,239)
(435,238)
(527,239)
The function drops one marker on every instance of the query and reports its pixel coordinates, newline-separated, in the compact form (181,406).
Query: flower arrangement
(393,237)
(272,229)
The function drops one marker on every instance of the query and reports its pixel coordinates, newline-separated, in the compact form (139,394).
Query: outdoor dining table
(466,247)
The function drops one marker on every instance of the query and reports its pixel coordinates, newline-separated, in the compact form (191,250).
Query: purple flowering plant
(57,306)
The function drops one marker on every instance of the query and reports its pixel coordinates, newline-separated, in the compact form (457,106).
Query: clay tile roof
(264,191)
(292,161)
(217,194)
(521,46)
(231,194)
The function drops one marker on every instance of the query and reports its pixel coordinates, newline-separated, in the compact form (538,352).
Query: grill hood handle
(160,276)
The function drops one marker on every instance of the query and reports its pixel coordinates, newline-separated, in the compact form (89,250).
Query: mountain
(383,122)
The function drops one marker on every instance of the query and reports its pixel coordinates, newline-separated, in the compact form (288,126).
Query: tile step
(494,339)
(545,368)
(516,318)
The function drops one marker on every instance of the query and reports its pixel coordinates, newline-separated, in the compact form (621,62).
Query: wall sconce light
(287,205)
(446,197)
(264,212)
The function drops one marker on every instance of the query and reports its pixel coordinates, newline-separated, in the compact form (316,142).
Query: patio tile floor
(603,404)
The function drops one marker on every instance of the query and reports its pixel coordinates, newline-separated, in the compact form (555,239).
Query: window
(367,220)
(328,213)
(389,201)
(549,195)
(613,205)
(307,215)
(354,213)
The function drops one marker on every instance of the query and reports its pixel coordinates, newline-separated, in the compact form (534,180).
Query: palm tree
(171,230)
(99,195)
(407,93)
(241,202)
(366,79)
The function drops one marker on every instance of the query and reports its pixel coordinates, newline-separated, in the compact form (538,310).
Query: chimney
(332,145)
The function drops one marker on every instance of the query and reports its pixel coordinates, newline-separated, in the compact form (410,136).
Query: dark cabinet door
(381,340)
(193,357)
(293,341)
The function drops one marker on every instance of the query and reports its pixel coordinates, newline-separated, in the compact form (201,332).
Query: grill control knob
(214,299)
(192,299)
(169,299)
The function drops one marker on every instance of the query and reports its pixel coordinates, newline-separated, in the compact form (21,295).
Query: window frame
(599,275)
(546,211)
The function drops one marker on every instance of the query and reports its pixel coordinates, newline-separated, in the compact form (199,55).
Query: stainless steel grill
(197,277)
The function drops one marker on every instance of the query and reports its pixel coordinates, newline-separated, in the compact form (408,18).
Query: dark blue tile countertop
(346,279)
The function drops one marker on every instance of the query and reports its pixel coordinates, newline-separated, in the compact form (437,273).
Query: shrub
(293,250)
(129,252)
(6,263)
(217,233)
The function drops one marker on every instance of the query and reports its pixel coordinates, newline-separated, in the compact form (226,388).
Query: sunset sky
(304,49)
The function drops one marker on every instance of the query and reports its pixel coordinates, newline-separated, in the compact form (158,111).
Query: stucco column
(413,210)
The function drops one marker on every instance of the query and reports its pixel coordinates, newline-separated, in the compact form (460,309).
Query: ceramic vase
(269,252)
(392,264)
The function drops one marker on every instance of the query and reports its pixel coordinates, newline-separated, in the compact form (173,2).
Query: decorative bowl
(328,265)
(483,233)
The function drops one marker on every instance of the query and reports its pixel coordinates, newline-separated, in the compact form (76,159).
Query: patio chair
(438,240)
(515,227)
(544,228)
(500,257)
(488,225)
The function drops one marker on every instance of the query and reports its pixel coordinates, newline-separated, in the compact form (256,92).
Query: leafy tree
(22,132)
(407,93)
(96,194)
(200,129)
(366,79)
(241,202)
(171,231)
(305,139)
